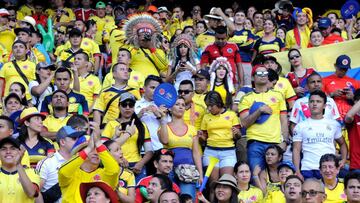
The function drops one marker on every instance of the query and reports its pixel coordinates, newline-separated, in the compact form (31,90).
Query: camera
(147,37)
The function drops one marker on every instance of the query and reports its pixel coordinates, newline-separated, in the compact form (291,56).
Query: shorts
(227,157)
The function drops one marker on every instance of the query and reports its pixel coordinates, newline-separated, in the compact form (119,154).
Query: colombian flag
(323,58)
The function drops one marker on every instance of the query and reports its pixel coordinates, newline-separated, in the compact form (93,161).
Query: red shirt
(296,81)
(332,38)
(333,83)
(144,183)
(40,19)
(230,51)
(354,140)
(84,14)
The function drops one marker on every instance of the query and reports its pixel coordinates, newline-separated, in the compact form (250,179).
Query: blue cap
(68,131)
(288,164)
(324,22)
(343,62)
(263,117)
(202,73)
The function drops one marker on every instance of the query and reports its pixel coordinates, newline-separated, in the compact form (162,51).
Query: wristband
(255,177)
(163,122)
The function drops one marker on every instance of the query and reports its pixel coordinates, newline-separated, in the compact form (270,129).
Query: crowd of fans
(79,122)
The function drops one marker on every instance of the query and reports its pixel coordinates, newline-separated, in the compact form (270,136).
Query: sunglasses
(166,152)
(312,193)
(184,91)
(293,57)
(127,104)
(261,73)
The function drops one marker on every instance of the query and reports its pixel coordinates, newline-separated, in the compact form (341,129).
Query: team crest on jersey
(273,99)
(229,50)
(280,85)
(136,78)
(227,117)
(41,151)
(90,83)
(25,67)
(86,43)
(197,114)
(72,100)
(97,177)
(349,84)
(122,183)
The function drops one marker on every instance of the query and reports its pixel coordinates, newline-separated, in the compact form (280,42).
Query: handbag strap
(22,75)
(147,56)
(114,98)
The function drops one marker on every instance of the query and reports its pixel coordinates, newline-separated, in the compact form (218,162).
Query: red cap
(256,67)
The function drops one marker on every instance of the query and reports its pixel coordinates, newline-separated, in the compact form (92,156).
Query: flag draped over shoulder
(323,58)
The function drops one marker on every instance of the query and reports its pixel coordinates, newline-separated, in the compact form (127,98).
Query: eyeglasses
(293,57)
(184,91)
(261,73)
(312,193)
(127,104)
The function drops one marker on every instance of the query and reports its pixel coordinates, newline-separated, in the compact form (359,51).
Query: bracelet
(128,133)
(255,177)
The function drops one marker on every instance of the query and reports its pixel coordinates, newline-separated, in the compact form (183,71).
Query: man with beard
(59,117)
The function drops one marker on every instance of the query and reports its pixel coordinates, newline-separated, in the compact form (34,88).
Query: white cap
(29,20)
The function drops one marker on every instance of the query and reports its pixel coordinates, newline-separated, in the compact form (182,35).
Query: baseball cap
(100,4)
(44,65)
(22,29)
(10,140)
(202,73)
(163,9)
(30,20)
(4,12)
(343,61)
(126,96)
(255,68)
(68,131)
(324,22)
(288,164)
(80,144)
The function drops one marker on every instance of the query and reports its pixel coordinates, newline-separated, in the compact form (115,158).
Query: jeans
(311,174)
(256,154)
(185,188)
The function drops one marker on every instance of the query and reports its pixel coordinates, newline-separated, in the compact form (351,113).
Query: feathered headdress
(308,12)
(188,41)
(141,22)
(221,61)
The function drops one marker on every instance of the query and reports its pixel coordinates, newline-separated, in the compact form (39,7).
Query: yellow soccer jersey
(222,91)
(290,41)
(104,98)
(179,25)
(283,85)
(11,190)
(204,39)
(26,10)
(9,73)
(126,180)
(54,124)
(335,195)
(194,115)
(7,39)
(129,148)
(88,45)
(102,25)
(71,176)
(90,87)
(252,195)
(275,197)
(218,128)
(141,63)
(136,80)
(199,99)
(184,141)
(270,130)
(67,15)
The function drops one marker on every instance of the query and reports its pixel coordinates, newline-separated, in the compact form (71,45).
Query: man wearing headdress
(142,32)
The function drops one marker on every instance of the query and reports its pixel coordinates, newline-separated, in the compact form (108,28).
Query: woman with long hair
(220,127)
(182,139)
(268,179)
(248,193)
(131,134)
(269,43)
(31,125)
(19,89)
(298,75)
(221,79)
(126,188)
(183,61)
